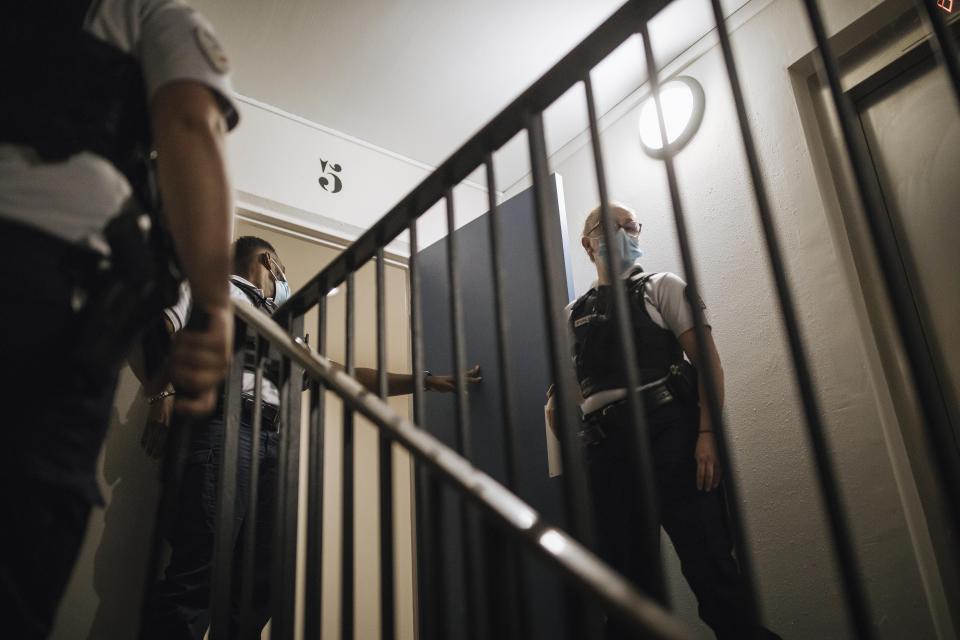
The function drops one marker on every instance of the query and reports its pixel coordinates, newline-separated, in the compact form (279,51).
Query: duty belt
(593,432)
(269,414)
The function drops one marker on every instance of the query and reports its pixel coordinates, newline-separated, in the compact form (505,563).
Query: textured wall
(801,595)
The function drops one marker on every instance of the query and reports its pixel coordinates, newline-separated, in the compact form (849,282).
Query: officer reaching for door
(686,467)
(178,604)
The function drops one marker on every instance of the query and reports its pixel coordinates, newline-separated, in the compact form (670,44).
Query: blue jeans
(178,605)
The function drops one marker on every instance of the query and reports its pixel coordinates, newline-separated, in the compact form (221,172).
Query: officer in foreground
(90,90)
(178,606)
(687,469)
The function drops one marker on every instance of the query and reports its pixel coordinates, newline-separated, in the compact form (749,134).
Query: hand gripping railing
(519,520)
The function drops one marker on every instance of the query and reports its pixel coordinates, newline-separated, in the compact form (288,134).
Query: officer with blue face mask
(178,603)
(687,469)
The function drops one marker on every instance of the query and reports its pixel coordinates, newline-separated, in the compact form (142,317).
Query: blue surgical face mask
(630,250)
(282,292)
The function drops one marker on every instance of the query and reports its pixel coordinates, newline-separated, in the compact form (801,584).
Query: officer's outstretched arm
(189,129)
(401,384)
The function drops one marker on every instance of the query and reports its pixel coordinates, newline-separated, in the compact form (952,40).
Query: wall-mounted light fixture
(683,101)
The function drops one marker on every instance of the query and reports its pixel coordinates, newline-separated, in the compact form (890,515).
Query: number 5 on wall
(330,176)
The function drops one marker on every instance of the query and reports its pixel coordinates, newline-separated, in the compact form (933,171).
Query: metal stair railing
(436,463)
(518,519)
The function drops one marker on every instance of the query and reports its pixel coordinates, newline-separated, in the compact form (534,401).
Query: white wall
(103,597)
(275,164)
(796,571)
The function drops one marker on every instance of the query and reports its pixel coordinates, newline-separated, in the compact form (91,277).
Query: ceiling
(418,77)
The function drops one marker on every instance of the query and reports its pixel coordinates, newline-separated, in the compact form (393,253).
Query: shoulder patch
(584,320)
(211,49)
(693,298)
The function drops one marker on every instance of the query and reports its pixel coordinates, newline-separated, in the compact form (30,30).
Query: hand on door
(448,383)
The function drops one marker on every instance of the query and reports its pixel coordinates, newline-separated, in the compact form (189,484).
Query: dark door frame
(903,69)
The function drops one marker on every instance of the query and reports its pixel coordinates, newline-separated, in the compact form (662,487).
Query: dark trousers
(694,520)
(40,538)
(55,416)
(178,605)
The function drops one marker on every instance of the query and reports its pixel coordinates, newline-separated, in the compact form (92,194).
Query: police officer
(178,604)
(90,90)
(687,470)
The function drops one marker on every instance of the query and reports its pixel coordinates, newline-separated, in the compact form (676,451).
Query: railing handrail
(518,518)
(504,126)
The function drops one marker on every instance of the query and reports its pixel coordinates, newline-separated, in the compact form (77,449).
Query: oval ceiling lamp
(683,101)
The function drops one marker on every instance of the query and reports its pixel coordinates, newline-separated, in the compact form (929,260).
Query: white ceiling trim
(347,137)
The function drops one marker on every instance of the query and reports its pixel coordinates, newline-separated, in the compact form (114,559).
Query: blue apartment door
(529,366)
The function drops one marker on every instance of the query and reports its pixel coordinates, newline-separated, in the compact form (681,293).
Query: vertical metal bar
(248,621)
(174,462)
(277,604)
(292,419)
(463,436)
(347,542)
(829,486)
(416,329)
(507,400)
(430,509)
(642,463)
(514,573)
(945,43)
(283,582)
(575,497)
(314,581)
(568,424)
(705,369)
(387,614)
(222,572)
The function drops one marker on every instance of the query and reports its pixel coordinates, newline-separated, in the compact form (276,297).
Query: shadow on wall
(120,560)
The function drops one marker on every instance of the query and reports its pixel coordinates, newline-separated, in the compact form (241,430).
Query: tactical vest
(271,368)
(66,91)
(598,354)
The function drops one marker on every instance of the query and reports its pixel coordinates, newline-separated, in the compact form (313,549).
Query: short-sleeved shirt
(664,297)
(74,199)
(178,314)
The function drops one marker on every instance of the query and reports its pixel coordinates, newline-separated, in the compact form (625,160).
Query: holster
(138,279)
(682,382)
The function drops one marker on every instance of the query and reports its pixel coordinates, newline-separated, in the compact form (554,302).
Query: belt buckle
(274,422)
(592,435)
(662,395)
(607,409)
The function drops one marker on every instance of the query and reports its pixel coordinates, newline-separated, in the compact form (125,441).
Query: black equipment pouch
(138,279)
(682,382)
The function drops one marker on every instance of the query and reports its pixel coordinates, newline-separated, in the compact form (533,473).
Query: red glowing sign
(946,5)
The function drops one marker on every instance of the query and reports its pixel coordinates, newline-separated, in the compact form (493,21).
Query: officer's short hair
(245,248)
(593,218)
